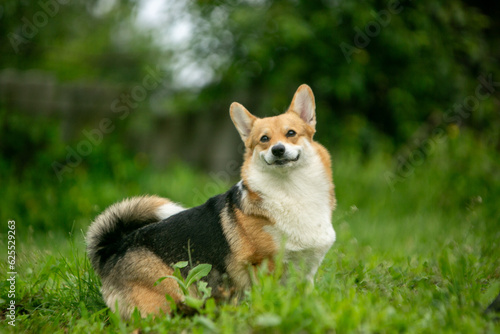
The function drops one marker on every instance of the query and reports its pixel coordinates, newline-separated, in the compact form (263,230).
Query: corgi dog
(283,203)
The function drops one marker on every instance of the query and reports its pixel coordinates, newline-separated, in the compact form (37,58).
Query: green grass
(420,257)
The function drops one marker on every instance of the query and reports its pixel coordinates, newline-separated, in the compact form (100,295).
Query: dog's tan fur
(134,277)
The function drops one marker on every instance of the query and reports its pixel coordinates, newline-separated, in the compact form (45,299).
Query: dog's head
(278,141)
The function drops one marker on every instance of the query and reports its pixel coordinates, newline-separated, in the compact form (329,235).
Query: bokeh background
(104,99)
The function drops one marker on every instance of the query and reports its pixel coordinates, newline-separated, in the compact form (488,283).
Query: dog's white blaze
(298,199)
(169,209)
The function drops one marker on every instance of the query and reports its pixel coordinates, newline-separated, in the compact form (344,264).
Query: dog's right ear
(242,119)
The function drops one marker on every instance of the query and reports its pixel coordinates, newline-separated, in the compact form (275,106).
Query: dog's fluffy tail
(110,227)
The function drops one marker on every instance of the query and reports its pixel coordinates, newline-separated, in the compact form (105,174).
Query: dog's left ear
(303,105)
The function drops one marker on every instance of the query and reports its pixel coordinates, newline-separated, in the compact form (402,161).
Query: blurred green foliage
(33,194)
(375,66)
(75,39)
(407,62)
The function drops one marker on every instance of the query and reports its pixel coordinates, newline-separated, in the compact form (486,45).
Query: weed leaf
(193,302)
(197,273)
(181,264)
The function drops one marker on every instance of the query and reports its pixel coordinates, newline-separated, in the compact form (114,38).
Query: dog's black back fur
(198,231)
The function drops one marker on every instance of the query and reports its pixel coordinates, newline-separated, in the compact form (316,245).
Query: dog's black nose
(278,150)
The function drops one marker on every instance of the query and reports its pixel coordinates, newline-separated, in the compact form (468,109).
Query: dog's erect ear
(303,105)
(242,119)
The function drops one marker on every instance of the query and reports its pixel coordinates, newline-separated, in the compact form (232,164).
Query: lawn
(417,250)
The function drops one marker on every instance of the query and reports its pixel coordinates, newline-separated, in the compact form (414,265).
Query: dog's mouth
(283,161)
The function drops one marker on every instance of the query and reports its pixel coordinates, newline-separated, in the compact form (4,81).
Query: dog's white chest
(305,224)
(300,207)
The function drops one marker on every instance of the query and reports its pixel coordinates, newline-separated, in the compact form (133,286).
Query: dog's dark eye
(291,133)
(264,139)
